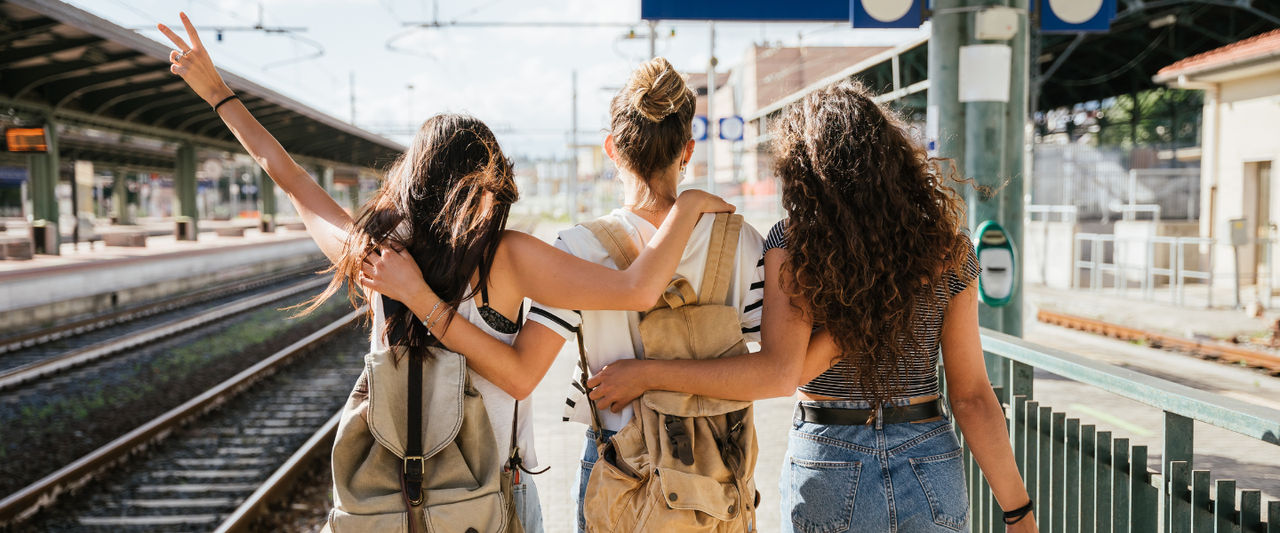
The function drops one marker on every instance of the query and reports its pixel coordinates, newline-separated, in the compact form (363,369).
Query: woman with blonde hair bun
(650,140)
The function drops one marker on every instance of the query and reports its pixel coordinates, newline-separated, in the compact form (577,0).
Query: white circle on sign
(1075,11)
(731,128)
(887,10)
(699,128)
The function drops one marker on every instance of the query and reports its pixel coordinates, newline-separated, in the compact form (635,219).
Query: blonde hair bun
(656,90)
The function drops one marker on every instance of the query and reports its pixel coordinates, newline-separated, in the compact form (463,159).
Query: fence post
(1179,439)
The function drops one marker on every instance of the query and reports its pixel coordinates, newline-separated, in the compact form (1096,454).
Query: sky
(517,80)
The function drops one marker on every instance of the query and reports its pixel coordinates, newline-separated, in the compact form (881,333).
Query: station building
(1241,146)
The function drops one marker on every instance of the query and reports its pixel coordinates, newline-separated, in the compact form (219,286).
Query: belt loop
(879,416)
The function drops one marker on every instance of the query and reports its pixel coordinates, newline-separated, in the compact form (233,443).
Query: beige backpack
(404,462)
(684,463)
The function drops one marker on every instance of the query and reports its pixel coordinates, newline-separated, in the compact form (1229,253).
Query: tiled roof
(1257,45)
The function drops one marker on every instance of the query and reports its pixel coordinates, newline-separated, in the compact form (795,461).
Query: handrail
(1244,418)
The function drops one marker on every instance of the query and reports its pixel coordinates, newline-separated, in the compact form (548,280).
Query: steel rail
(17,376)
(279,484)
(93,323)
(1207,349)
(27,501)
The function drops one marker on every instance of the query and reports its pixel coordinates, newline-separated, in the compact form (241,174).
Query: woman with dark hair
(874,252)
(650,140)
(443,211)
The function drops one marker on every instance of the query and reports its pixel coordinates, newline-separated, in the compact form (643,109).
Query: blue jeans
(905,477)
(589,456)
(528,508)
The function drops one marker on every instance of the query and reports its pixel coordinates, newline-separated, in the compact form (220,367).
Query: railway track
(211,465)
(41,360)
(1218,351)
(121,322)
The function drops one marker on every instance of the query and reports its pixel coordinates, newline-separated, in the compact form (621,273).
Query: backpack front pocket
(343,522)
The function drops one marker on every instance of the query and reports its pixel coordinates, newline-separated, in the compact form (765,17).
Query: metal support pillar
(266,200)
(184,188)
(984,140)
(120,196)
(326,179)
(44,199)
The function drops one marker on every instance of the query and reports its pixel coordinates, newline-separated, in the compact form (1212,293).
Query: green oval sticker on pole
(997,271)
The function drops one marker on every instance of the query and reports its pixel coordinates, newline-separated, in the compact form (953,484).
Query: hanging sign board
(1073,16)
(26,139)
(886,13)
(753,10)
(699,128)
(731,128)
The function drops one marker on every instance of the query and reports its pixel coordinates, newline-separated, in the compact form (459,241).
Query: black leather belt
(834,416)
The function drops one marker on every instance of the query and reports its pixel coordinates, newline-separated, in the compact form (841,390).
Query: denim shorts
(905,477)
(528,507)
(589,456)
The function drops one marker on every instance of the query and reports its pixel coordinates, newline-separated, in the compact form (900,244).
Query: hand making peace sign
(194,65)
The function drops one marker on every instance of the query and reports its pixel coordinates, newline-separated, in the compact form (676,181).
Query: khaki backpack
(684,462)
(404,462)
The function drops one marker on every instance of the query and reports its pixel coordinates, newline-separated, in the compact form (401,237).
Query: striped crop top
(919,374)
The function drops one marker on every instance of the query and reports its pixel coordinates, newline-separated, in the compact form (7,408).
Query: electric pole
(573,153)
(711,121)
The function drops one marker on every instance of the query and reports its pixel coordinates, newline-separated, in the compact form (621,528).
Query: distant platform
(91,278)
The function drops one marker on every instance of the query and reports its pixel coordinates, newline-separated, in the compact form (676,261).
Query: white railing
(1109,255)
(1066,213)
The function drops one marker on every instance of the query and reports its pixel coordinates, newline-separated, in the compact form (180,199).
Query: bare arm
(327,223)
(544,273)
(773,371)
(974,404)
(557,278)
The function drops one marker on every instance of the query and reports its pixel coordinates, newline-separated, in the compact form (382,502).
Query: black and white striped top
(919,375)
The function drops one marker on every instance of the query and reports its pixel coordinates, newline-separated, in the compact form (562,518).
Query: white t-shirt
(613,335)
(497,403)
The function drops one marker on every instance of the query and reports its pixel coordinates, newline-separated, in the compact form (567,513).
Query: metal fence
(1103,257)
(1087,479)
(1103,185)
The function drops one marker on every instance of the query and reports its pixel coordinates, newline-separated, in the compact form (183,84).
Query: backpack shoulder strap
(721,249)
(615,240)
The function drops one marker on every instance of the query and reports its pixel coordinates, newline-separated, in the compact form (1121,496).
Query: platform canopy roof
(1145,36)
(62,62)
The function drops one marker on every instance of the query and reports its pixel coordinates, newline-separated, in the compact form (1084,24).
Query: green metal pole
(326,179)
(184,183)
(985,128)
(949,31)
(1017,160)
(44,199)
(266,199)
(120,195)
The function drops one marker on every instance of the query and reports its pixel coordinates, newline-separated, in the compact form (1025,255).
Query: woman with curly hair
(875,253)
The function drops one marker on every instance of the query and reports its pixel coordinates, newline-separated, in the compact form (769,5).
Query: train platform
(93,277)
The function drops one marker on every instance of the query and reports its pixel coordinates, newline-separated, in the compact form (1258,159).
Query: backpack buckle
(681,444)
(414,466)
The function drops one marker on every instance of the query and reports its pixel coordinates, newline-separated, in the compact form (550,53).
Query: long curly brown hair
(874,225)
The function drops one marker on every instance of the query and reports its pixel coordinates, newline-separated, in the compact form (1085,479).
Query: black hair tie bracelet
(1016,515)
(225,100)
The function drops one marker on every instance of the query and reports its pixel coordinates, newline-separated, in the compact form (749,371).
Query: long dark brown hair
(873,225)
(446,201)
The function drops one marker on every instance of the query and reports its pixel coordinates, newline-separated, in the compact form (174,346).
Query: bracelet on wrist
(1016,515)
(233,96)
(429,321)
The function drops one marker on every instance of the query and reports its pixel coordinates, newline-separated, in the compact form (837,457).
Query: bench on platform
(230,231)
(16,249)
(135,238)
